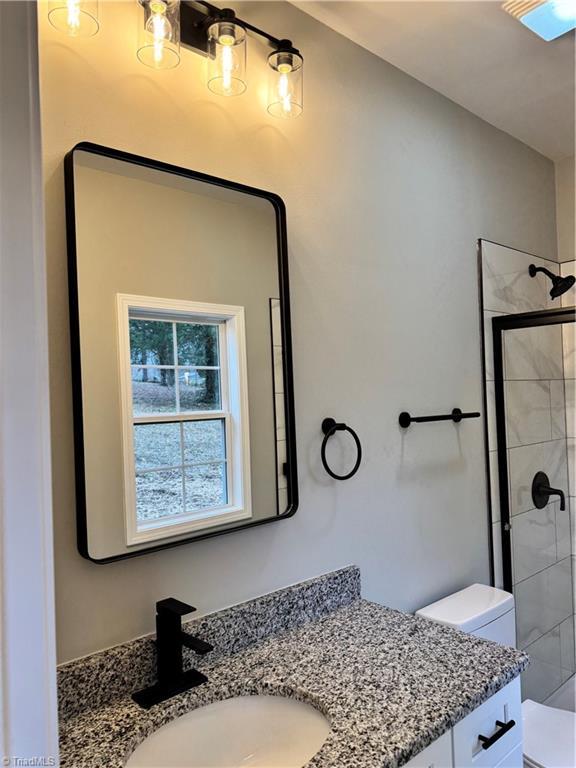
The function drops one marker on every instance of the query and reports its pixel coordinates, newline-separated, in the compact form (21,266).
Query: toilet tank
(480,610)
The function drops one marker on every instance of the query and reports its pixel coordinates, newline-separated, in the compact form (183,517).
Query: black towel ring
(330,427)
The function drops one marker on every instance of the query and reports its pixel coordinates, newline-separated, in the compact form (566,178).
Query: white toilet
(549,733)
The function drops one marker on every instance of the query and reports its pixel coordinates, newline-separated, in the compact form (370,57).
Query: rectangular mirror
(181,354)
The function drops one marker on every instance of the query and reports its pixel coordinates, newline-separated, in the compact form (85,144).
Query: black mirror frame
(291,470)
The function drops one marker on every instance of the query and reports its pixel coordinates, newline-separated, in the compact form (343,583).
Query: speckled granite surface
(389,683)
(99,679)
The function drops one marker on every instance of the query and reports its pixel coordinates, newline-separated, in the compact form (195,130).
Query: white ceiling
(477,55)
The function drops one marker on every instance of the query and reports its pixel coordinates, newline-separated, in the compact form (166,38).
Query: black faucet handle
(541,491)
(558,492)
(172,607)
(195,644)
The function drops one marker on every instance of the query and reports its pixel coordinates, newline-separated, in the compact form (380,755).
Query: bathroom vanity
(395,689)
(500,716)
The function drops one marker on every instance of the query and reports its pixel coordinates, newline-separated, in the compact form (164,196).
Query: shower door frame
(537,318)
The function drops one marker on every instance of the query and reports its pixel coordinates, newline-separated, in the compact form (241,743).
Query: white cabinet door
(514,760)
(489,734)
(437,755)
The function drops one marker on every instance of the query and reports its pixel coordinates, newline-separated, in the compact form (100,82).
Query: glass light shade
(226,58)
(159,34)
(76,18)
(285,92)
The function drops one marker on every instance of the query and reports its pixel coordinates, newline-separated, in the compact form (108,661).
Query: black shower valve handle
(542,490)
(556,492)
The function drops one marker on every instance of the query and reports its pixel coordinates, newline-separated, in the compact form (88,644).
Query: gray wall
(388,185)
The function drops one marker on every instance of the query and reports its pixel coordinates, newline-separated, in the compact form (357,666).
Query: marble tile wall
(569,351)
(541,539)
(507,288)
(540,420)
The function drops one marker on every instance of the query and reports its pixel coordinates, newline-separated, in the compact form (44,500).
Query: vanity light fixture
(216,33)
(285,81)
(76,18)
(226,55)
(159,34)
(221,36)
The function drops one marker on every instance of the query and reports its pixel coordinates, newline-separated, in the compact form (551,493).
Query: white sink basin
(264,731)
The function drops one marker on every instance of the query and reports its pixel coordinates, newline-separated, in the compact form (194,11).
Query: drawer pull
(488,741)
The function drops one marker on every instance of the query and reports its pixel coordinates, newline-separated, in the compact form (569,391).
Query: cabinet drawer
(436,755)
(504,707)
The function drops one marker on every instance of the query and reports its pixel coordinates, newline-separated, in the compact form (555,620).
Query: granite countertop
(389,683)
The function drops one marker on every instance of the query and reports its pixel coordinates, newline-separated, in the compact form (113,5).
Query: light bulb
(159,28)
(76,18)
(285,81)
(159,34)
(284,87)
(73,19)
(226,57)
(226,42)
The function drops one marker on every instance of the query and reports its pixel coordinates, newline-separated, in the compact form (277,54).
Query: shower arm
(534,270)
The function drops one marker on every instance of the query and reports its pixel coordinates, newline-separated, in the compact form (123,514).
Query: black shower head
(559,284)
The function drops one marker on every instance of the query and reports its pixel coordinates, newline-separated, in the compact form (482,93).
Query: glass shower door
(535,424)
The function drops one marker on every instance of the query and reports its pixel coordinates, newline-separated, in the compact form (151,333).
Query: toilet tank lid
(471,608)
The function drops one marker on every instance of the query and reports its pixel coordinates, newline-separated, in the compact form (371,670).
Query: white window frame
(234,413)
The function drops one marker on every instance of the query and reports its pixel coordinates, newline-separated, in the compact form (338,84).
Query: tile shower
(539,396)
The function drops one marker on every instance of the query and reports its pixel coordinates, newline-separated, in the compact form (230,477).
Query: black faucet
(170,640)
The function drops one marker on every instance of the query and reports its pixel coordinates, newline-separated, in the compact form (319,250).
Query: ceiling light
(548,19)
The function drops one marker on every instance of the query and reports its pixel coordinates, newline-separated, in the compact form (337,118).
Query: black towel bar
(405,419)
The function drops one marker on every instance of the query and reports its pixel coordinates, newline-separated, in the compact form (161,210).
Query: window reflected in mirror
(185,413)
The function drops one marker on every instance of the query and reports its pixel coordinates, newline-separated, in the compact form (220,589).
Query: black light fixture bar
(197,15)
(193,28)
